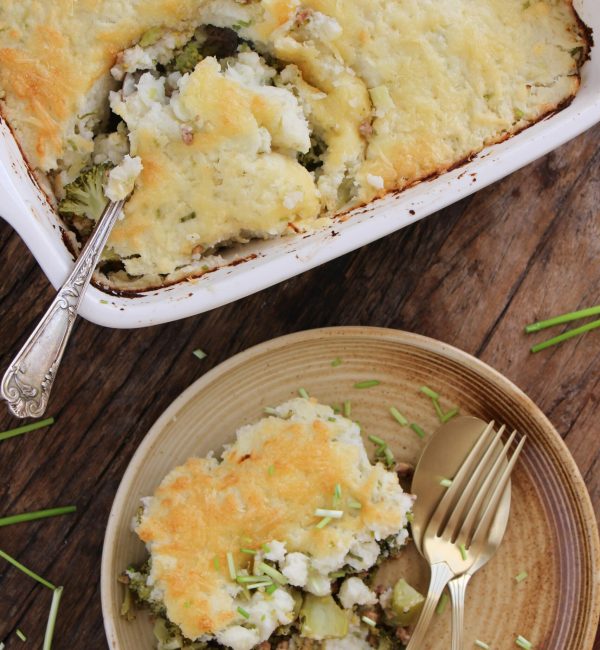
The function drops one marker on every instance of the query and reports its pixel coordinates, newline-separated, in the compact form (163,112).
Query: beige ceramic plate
(552,532)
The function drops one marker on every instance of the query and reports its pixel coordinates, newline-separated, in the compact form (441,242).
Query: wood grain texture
(471,275)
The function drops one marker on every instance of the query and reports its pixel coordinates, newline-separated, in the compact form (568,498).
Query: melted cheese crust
(398,90)
(267,487)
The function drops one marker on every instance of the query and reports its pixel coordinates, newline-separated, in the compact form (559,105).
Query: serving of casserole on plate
(297,514)
(235,122)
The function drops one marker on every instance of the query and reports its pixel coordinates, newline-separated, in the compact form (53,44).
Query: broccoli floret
(188,58)
(84,197)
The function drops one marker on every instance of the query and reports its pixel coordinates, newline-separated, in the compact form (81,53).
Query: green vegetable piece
(84,197)
(188,58)
(151,37)
(322,618)
(406,603)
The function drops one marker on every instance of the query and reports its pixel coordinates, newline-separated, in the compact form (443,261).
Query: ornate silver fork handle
(27,383)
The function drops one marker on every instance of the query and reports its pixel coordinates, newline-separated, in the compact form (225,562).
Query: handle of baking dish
(27,383)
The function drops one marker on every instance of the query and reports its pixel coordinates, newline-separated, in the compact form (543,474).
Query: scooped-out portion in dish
(277,542)
(230,120)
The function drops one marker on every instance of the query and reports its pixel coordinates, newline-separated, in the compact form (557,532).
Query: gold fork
(460,534)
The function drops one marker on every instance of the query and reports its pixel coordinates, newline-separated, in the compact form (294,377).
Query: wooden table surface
(472,275)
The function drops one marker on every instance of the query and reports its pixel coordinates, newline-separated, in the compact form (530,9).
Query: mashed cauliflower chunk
(293,505)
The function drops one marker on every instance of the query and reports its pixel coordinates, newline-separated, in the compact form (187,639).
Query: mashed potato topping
(260,118)
(232,543)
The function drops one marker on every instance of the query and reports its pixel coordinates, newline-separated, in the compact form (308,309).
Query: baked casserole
(228,120)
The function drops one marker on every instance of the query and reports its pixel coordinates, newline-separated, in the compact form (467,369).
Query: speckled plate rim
(574,481)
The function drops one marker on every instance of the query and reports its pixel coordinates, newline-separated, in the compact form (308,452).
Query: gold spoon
(442,460)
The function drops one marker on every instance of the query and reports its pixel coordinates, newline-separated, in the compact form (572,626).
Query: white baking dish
(23,206)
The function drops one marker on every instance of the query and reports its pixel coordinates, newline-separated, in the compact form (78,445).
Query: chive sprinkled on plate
(438,410)
(271,470)
(273,573)
(243,580)
(389,456)
(336,362)
(266,548)
(368,383)
(441,606)
(269,410)
(378,441)
(56,596)
(354,504)
(39,514)
(259,585)
(302,392)
(481,644)
(446,482)
(448,415)
(271,589)
(417,429)
(248,551)
(566,336)
(243,612)
(333,514)
(323,522)
(522,642)
(21,635)
(26,428)
(231,565)
(337,492)
(430,393)
(200,354)
(217,563)
(347,408)
(398,416)
(463,551)
(521,576)
(368,621)
(26,571)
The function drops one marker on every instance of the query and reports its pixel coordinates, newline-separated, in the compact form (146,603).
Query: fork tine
(470,490)
(484,491)
(492,506)
(454,490)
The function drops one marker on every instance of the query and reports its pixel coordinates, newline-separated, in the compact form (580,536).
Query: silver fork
(460,533)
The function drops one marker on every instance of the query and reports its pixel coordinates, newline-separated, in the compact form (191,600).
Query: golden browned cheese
(398,90)
(267,488)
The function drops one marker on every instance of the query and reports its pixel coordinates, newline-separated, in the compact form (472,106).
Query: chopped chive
(336,362)
(269,410)
(398,416)
(368,621)
(481,644)
(200,354)
(347,408)
(353,503)
(216,563)
(417,429)
(378,441)
(410,517)
(26,428)
(26,571)
(565,336)
(104,302)
(273,573)
(446,482)
(521,576)
(438,410)
(430,393)
(369,383)
(441,606)
(333,514)
(463,551)
(337,574)
(271,470)
(56,596)
(522,642)
(231,565)
(331,420)
(302,392)
(271,589)
(243,580)
(450,414)
(39,514)
(21,635)
(246,539)
(336,409)
(243,612)
(564,318)
(258,585)
(337,491)
(389,457)
(266,548)
(248,551)
(323,522)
